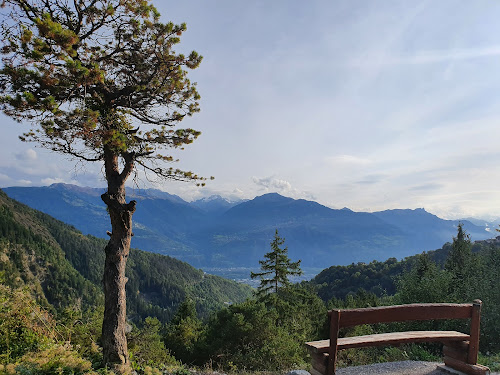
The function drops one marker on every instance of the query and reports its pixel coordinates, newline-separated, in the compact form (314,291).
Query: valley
(214,234)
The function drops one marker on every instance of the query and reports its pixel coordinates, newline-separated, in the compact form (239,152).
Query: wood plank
(319,362)
(391,338)
(334,334)
(320,346)
(402,313)
(455,353)
(459,345)
(474,332)
(466,367)
(397,338)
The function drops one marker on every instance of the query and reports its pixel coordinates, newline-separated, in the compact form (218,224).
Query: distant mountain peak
(272,197)
(215,204)
(212,198)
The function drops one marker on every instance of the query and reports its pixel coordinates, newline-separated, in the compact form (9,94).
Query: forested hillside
(65,268)
(51,272)
(380,278)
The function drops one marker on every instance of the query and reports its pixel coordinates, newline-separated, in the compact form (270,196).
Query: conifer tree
(276,268)
(462,265)
(458,259)
(99,81)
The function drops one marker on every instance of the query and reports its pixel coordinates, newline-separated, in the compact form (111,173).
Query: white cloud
(274,184)
(24,182)
(270,183)
(341,160)
(27,155)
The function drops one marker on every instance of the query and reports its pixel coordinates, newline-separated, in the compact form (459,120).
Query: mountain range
(214,232)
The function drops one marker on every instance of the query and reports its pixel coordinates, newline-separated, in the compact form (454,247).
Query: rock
(298,372)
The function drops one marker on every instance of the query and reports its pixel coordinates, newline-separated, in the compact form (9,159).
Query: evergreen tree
(459,257)
(276,268)
(183,333)
(463,267)
(100,82)
(424,282)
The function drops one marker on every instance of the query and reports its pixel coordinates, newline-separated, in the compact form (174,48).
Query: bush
(246,336)
(146,348)
(24,326)
(58,359)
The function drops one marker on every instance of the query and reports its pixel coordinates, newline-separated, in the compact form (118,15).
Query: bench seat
(392,338)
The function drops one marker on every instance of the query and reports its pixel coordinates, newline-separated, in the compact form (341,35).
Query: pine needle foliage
(98,78)
(276,268)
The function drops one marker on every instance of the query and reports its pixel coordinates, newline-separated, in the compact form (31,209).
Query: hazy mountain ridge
(218,233)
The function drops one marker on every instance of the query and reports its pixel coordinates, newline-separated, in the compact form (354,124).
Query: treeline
(67,268)
(380,278)
(51,304)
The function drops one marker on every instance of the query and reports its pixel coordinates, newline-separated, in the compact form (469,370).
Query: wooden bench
(460,349)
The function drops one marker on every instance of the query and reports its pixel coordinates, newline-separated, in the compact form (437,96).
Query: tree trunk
(114,340)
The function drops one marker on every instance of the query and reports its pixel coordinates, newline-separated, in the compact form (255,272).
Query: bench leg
(332,360)
(319,363)
(456,356)
(334,334)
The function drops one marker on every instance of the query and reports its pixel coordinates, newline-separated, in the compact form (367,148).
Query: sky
(370,105)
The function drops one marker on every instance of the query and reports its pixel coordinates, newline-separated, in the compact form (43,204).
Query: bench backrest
(402,313)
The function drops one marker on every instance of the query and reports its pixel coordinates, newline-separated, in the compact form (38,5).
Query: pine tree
(463,266)
(276,268)
(460,255)
(100,82)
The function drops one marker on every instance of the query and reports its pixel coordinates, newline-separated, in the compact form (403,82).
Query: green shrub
(58,359)
(24,326)
(146,348)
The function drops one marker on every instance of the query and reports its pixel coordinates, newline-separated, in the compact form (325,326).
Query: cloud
(24,182)
(4,179)
(429,57)
(284,187)
(427,187)
(372,179)
(270,183)
(349,160)
(27,155)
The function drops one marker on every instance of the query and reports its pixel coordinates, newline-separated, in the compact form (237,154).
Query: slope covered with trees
(45,274)
(380,278)
(65,268)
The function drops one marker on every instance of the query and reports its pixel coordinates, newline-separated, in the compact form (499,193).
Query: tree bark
(114,340)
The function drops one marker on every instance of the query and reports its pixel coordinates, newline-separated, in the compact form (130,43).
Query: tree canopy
(276,268)
(97,77)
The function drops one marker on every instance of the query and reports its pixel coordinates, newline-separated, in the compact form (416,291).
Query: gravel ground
(395,368)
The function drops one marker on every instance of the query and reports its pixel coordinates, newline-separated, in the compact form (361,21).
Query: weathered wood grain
(402,313)
(466,367)
(391,338)
(474,332)
(455,353)
(460,349)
